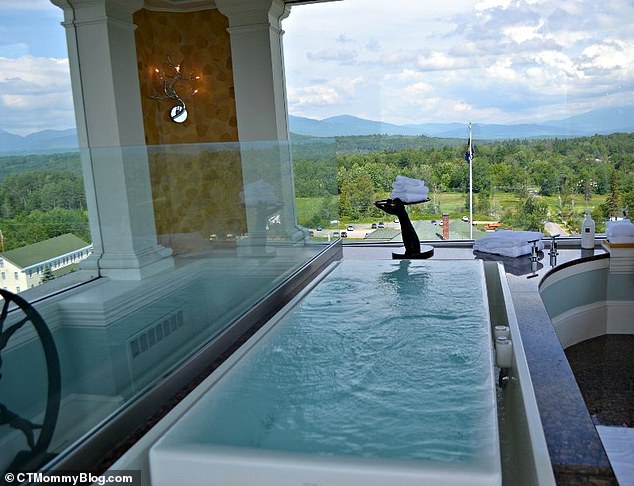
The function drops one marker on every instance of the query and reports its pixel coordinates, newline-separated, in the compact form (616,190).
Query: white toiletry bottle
(587,231)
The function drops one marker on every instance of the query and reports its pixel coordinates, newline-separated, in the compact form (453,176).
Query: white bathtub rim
(543,466)
(314,469)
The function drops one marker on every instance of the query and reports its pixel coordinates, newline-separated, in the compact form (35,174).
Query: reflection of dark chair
(38,456)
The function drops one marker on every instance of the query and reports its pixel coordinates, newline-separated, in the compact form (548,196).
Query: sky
(490,61)
(399,61)
(35,92)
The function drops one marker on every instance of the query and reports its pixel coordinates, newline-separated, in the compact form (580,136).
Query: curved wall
(587,300)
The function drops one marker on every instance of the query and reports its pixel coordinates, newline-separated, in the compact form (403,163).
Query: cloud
(373,45)
(491,4)
(344,39)
(523,33)
(341,56)
(418,89)
(439,61)
(313,95)
(37,94)
(26,5)
(608,55)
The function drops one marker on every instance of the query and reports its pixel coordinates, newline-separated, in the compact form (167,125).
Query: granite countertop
(575,449)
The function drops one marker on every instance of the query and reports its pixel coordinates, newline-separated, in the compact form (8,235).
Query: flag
(468,156)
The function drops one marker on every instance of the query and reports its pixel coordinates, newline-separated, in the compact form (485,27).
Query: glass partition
(214,228)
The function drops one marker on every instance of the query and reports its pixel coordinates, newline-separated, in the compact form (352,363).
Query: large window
(545,85)
(42,199)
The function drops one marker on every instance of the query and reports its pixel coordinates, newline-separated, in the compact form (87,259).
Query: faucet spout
(553,250)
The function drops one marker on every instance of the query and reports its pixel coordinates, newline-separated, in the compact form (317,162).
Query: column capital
(243,13)
(93,9)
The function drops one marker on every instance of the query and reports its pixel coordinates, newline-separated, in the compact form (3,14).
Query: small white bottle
(587,231)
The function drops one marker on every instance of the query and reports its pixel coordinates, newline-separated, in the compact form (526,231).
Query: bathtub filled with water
(381,373)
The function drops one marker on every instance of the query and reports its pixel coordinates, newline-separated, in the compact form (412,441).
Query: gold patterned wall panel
(200,42)
(196,196)
(196,191)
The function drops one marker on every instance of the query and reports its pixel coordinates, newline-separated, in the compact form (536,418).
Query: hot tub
(381,373)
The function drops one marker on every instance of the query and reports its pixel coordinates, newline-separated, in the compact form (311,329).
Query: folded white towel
(409,190)
(407,182)
(409,196)
(619,240)
(509,238)
(623,227)
(512,251)
(509,243)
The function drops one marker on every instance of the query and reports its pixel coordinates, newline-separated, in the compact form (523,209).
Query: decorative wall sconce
(170,83)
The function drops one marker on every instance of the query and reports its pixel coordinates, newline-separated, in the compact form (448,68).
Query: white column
(262,113)
(258,67)
(104,75)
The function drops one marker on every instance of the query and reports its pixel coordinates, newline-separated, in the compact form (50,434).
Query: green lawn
(452,203)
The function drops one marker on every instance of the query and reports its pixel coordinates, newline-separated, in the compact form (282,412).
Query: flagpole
(470,185)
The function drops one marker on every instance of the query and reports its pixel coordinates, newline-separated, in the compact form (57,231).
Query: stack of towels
(509,243)
(620,231)
(409,190)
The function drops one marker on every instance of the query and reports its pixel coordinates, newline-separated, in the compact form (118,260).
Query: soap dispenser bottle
(587,232)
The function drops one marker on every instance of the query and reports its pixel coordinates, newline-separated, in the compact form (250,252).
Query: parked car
(381,224)
(434,222)
(350,227)
(335,234)
(373,226)
(465,219)
(396,220)
(319,228)
(311,233)
(344,234)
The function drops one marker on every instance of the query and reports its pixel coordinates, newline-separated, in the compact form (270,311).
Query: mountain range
(602,121)
(46,140)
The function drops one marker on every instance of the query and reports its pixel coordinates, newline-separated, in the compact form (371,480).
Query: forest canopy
(519,182)
(543,176)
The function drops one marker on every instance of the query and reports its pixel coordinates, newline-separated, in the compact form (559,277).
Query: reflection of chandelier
(178,113)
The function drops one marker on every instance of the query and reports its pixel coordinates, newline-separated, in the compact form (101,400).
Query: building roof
(44,250)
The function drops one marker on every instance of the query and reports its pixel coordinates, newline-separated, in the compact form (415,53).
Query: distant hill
(602,121)
(47,140)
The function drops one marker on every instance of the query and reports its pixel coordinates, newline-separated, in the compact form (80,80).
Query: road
(555,229)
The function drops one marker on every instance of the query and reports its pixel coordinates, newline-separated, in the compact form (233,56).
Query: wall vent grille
(155,334)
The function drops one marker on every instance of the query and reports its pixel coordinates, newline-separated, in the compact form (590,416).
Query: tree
(356,194)
(530,214)
(612,203)
(47,275)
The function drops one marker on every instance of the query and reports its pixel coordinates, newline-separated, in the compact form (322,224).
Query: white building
(24,268)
